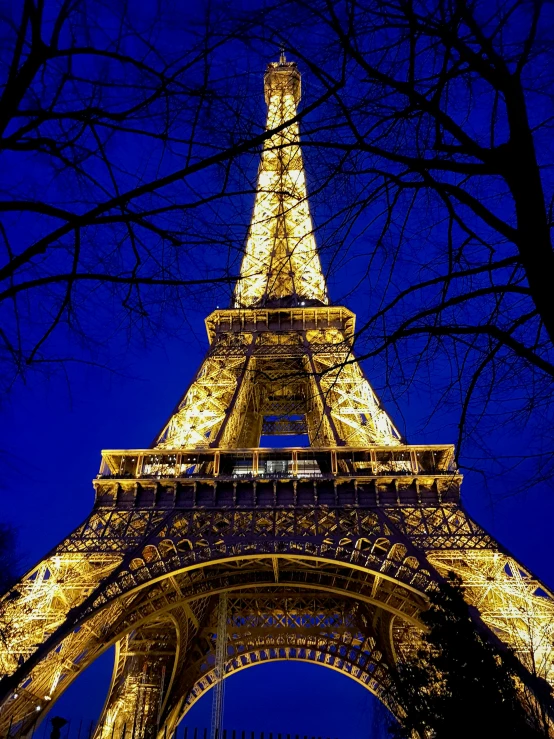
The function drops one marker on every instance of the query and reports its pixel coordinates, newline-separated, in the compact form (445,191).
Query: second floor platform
(278,476)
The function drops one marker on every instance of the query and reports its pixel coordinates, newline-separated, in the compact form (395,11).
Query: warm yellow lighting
(327,552)
(281,257)
(318,378)
(510,600)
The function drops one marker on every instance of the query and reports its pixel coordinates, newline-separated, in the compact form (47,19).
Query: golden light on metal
(281,260)
(326,551)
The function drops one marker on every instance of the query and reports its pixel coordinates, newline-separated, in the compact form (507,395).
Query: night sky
(51,440)
(54,426)
(52,433)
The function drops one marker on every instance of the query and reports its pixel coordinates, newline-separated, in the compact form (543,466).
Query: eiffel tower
(326,551)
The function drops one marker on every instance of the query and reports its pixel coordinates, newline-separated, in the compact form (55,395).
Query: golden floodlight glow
(325,552)
(281,257)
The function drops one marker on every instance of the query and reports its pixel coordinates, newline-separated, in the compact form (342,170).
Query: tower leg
(220,661)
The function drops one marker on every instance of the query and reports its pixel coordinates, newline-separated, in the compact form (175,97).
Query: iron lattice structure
(326,552)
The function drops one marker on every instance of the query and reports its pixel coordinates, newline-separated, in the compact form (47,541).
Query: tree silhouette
(458,684)
(119,141)
(438,135)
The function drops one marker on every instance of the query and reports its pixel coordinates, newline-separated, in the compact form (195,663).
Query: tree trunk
(533,239)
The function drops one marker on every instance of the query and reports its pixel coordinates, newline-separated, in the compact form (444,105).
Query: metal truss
(205,405)
(300,382)
(276,376)
(221,651)
(164,572)
(263,627)
(281,259)
(154,601)
(143,663)
(352,405)
(326,554)
(40,603)
(511,601)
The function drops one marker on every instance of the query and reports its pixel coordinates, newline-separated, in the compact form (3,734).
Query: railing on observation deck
(291,463)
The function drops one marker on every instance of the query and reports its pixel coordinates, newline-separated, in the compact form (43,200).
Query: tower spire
(355,530)
(281,358)
(281,265)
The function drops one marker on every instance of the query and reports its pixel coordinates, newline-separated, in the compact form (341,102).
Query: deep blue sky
(51,441)
(51,436)
(52,430)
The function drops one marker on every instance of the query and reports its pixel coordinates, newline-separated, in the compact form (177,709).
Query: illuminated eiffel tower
(326,551)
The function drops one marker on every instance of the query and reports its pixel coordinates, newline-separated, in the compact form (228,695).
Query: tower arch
(358,518)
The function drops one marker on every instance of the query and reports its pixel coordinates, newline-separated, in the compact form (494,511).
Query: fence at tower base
(87,729)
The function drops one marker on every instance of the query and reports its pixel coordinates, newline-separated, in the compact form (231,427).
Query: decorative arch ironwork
(128,598)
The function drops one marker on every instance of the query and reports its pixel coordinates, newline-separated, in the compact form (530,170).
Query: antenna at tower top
(282,57)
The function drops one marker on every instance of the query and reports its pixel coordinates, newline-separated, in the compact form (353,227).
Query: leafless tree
(9,557)
(10,567)
(121,134)
(439,136)
(427,130)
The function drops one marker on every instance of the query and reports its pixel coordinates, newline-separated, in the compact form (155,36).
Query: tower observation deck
(281,358)
(326,551)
